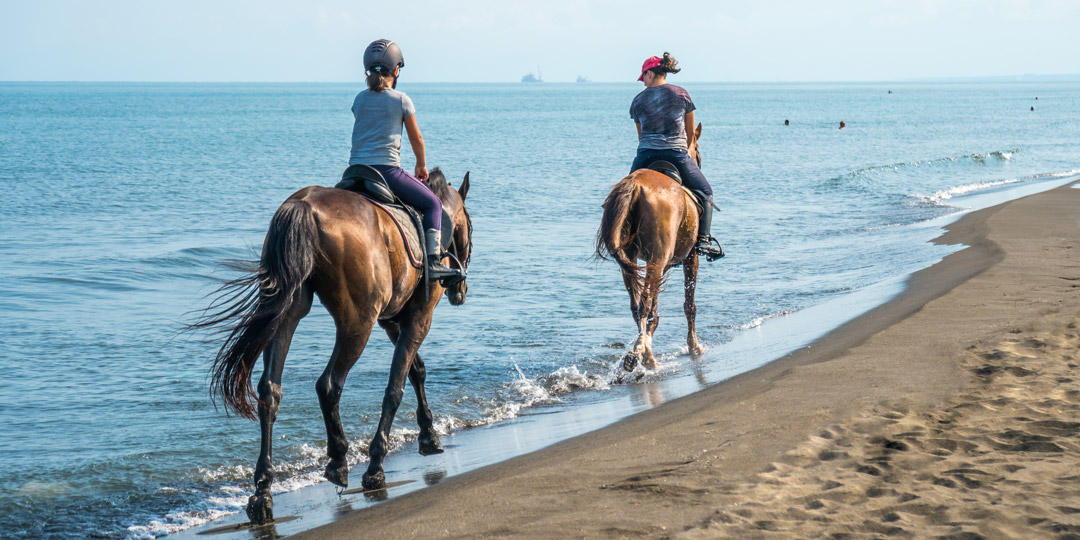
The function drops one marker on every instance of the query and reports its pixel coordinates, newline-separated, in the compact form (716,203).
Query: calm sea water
(120,201)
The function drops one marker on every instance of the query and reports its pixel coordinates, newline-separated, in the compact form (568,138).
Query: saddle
(667,168)
(369,183)
(671,171)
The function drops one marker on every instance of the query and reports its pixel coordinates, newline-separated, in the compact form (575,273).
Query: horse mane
(436,182)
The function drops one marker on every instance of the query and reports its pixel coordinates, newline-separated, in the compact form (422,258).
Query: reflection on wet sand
(434,477)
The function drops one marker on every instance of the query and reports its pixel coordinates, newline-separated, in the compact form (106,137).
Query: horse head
(694,152)
(461,247)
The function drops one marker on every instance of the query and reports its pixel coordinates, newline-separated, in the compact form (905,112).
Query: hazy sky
(500,40)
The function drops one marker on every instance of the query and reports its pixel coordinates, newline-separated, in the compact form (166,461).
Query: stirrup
(705,247)
(444,275)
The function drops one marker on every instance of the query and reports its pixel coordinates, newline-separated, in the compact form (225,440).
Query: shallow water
(123,199)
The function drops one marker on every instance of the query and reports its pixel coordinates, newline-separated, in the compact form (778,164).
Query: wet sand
(950,412)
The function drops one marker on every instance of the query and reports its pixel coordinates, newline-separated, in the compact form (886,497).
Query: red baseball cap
(650,63)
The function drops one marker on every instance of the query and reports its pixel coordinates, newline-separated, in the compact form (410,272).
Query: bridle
(453,251)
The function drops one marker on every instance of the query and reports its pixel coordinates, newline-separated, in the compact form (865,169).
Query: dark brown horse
(649,216)
(338,245)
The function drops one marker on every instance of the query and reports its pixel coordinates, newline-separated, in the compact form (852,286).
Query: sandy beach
(949,412)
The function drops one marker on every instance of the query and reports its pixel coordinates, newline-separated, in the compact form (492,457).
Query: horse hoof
(630,361)
(697,350)
(337,472)
(374,481)
(260,509)
(429,445)
(649,363)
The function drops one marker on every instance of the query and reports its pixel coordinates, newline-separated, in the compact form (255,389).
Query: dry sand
(950,412)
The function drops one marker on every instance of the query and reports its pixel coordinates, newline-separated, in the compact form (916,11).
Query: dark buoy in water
(842,124)
(890,91)
(1033,108)
(787,123)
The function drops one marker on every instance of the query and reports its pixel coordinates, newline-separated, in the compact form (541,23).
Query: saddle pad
(409,234)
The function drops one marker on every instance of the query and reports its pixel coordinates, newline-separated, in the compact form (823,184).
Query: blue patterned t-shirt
(661,111)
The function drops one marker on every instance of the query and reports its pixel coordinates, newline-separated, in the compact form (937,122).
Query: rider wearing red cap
(664,115)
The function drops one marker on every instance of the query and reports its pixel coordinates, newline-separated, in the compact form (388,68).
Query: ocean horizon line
(1027,77)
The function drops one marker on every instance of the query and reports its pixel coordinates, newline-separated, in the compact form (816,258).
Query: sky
(501,40)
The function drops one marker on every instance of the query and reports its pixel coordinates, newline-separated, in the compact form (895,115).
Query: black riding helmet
(383,55)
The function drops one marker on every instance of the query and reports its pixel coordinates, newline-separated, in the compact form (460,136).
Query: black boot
(436,270)
(706,244)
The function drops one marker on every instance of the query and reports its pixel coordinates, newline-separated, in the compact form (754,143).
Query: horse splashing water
(335,244)
(648,216)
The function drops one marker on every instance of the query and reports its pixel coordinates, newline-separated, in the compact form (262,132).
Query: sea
(122,200)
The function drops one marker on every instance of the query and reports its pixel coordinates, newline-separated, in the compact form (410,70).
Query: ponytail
(379,80)
(667,65)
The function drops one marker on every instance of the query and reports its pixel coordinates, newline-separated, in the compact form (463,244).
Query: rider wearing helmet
(380,112)
(664,115)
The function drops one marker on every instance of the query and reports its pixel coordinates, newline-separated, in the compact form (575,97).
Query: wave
(758,321)
(978,158)
(305,466)
(947,194)
(938,197)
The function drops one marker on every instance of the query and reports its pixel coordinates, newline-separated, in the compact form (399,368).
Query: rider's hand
(420,172)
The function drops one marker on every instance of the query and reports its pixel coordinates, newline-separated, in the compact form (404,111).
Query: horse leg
(352,337)
(260,507)
(648,315)
(428,440)
(404,352)
(633,287)
(690,269)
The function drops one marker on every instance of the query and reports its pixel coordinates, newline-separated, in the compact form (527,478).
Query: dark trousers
(688,169)
(414,193)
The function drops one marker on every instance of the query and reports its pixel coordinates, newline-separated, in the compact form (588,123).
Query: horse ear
(463,189)
(697,132)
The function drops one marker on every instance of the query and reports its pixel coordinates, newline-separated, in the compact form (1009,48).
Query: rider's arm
(416,140)
(689,121)
(638,124)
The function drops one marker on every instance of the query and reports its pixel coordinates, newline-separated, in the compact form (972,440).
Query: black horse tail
(250,309)
(616,230)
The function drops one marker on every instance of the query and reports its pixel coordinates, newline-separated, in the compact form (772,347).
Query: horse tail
(250,309)
(616,231)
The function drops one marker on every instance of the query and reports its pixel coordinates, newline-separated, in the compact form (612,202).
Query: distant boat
(582,79)
(530,78)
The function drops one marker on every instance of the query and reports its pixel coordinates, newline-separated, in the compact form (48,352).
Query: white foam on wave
(946,194)
(1062,174)
(665,363)
(568,379)
(523,393)
(1003,155)
(301,470)
(758,321)
(226,501)
(949,193)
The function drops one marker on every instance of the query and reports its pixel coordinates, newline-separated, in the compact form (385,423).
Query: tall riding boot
(436,270)
(706,244)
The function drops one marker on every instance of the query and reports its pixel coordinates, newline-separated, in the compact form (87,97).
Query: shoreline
(661,471)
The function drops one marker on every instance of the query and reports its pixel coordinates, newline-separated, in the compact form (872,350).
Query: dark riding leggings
(414,193)
(688,169)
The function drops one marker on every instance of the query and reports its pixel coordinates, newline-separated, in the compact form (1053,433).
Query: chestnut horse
(649,216)
(338,245)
